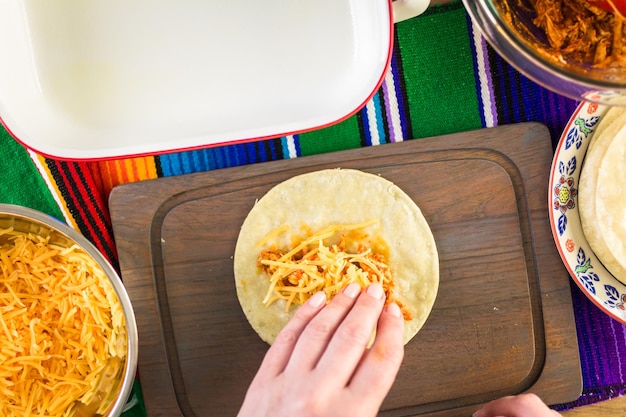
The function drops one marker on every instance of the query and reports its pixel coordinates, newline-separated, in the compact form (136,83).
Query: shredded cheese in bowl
(63,336)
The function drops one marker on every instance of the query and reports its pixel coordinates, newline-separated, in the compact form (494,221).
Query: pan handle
(407,9)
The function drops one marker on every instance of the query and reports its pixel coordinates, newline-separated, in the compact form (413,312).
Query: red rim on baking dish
(107,79)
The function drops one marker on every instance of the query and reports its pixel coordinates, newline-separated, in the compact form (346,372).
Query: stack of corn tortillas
(602,193)
(315,201)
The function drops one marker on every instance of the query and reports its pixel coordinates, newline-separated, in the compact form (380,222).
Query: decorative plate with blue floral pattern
(600,286)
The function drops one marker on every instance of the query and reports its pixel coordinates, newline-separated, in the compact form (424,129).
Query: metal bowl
(510,31)
(31,221)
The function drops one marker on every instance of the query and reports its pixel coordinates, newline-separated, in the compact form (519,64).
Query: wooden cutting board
(502,323)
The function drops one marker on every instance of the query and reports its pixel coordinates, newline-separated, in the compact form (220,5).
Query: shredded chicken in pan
(582,31)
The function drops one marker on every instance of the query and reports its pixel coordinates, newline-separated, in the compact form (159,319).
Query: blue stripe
(296,141)
(366,127)
(221,157)
(284,142)
(367,123)
(378,109)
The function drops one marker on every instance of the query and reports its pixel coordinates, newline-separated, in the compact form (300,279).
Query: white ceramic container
(99,79)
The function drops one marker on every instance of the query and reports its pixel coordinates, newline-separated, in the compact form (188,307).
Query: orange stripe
(107,174)
(121,171)
(112,173)
(141,168)
(131,172)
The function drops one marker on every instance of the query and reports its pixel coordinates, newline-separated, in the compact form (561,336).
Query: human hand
(319,364)
(524,405)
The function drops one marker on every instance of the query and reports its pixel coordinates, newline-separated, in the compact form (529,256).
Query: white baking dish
(95,79)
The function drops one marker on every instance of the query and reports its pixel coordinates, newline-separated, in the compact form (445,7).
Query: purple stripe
(485,108)
(604,351)
(622,348)
(617,373)
(397,79)
(392,133)
(599,343)
(485,54)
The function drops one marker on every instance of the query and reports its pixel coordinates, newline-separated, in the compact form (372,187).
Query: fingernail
(317,299)
(478,413)
(376,290)
(352,290)
(394,309)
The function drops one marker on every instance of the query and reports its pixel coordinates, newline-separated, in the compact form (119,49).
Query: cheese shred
(315,264)
(62,332)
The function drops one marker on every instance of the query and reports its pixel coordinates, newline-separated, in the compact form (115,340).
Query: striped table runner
(443,78)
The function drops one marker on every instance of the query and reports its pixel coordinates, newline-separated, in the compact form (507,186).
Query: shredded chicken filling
(580,31)
(312,265)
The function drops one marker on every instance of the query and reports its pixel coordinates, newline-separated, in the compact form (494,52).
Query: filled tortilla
(362,214)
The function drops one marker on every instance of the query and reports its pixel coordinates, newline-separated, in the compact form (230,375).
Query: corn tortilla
(602,194)
(338,196)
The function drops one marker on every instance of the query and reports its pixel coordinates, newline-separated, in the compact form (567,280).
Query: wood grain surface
(502,323)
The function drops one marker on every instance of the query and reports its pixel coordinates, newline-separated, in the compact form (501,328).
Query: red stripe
(75,182)
(100,223)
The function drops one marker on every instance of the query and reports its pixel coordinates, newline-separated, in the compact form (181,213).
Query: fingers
(382,361)
(524,405)
(278,355)
(318,333)
(335,339)
(352,337)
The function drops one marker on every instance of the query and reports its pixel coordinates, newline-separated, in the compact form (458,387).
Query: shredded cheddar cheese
(62,329)
(314,265)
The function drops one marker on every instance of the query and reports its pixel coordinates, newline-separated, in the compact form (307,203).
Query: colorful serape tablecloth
(444,78)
